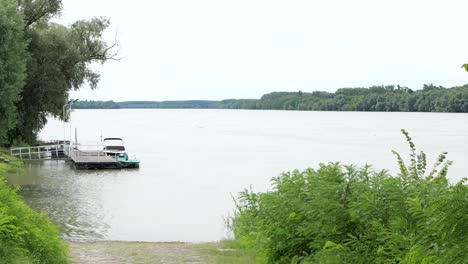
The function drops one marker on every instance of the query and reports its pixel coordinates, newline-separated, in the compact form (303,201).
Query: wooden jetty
(85,160)
(80,157)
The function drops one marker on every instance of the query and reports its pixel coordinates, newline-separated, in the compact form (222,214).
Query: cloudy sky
(218,49)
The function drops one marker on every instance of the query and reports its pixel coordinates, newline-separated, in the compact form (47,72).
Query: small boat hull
(127,163)
(130,164)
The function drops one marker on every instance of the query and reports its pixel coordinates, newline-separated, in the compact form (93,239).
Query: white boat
(114,147)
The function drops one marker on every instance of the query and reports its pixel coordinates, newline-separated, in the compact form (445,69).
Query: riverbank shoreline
(154,252)
(132,252)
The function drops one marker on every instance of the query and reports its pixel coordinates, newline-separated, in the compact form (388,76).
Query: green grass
(227,252)
(13,164)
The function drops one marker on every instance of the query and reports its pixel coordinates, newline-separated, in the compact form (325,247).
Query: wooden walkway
(85,160)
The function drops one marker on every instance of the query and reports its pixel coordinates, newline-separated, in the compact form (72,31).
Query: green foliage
(345,214)
(35,11)
(53,72)
(376,98)
(12,65)
(25,236)
(8,164)
(41,62)
(225,252)
(192,104)
(95,105)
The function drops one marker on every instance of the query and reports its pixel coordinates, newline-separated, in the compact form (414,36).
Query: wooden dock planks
(85,160)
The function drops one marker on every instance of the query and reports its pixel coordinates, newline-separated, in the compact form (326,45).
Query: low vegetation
(344,214)
(25,236)
(225,252)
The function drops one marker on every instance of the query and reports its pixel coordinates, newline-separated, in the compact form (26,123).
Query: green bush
(345,214)
(25,236)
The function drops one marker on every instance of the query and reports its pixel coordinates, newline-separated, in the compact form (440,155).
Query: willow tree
(58,61)
(12,65)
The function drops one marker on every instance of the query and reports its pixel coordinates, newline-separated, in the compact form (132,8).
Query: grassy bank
(25,235)
(7,163)
(226,252)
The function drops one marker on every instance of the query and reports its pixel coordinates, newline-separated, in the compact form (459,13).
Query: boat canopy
(115,144)
(113,139)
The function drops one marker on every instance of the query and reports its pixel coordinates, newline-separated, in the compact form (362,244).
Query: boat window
(115,148)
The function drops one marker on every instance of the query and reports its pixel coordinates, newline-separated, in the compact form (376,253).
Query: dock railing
(87,152)
(62,152)
(39,152)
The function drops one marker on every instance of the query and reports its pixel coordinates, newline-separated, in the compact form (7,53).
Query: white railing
(62,151)
(87,152)
(39,152)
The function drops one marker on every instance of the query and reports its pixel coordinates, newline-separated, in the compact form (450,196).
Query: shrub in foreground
(345,214)
(26,236)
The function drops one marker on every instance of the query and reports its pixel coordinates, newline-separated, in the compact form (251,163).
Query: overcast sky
(218,49)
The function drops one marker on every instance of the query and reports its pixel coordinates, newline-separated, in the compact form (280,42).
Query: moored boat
(115,147)
(125,162)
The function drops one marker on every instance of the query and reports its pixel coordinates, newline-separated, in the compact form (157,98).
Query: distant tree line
(389,98)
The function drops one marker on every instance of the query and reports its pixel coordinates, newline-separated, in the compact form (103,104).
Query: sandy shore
(136,252)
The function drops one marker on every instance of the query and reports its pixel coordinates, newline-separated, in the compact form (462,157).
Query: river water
(192,161)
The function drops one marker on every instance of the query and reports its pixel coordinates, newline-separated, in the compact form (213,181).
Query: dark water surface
(193,160)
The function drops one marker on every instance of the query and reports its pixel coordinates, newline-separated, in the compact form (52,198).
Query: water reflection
(69,199)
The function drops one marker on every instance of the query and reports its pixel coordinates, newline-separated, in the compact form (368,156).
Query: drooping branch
(92,47)
(106,53)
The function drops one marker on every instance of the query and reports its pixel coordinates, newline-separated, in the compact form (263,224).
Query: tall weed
(347,214)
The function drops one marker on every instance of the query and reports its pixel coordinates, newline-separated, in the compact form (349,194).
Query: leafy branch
(418,163)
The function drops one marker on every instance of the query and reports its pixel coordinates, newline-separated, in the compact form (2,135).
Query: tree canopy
(12,65)
(41,62)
